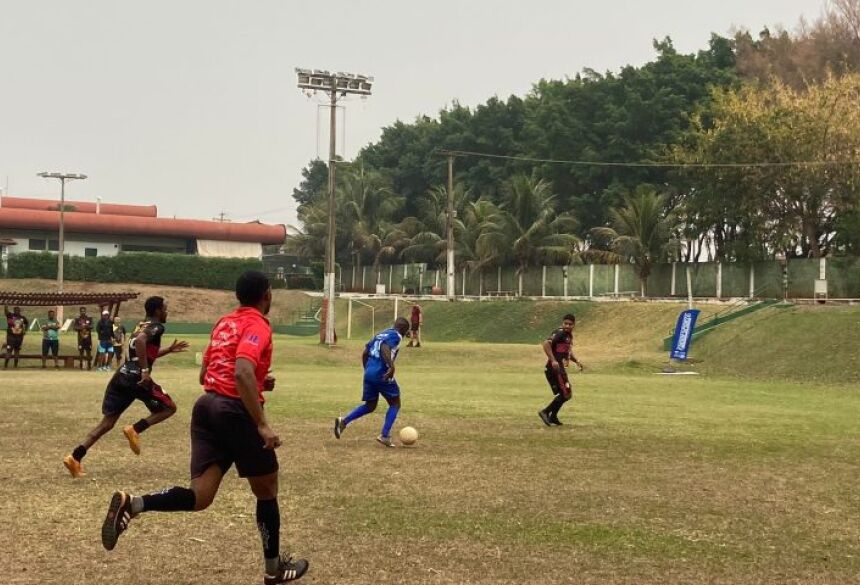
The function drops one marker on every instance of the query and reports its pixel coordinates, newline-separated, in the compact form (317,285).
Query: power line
(650,164)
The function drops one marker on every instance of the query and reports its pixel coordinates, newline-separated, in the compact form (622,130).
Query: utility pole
(333,84)
(450,292)
(63,177)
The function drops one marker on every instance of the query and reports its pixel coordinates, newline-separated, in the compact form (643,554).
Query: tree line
(696,122)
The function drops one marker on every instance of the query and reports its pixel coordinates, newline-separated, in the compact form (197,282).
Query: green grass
(653,480)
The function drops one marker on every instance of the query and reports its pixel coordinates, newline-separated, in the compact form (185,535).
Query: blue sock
(359,412)
(390,416)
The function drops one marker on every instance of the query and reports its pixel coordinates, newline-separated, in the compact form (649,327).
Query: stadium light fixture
(62,177)
(338,84)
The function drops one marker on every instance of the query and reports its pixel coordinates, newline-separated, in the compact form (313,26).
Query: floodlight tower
(63,177)
(335,85)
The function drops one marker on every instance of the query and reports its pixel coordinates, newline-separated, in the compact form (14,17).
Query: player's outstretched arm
(175,347)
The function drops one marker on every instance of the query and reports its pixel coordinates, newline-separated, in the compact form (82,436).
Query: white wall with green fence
(833,278)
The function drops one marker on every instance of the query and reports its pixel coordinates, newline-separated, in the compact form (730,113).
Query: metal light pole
(63,177)
(334,84)
(450,292)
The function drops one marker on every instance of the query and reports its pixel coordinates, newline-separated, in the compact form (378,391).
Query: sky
(192,105)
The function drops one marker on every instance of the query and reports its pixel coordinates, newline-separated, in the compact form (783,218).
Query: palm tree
(385,244)
(428,230)
(484,240)
(538,233)
(365,202)
(642,233)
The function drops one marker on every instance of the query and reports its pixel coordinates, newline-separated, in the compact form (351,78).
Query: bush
(139,267)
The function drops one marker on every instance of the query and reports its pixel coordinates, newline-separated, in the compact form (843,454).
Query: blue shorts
(105,347)
(373,388)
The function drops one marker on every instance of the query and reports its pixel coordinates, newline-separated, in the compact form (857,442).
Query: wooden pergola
(110,300)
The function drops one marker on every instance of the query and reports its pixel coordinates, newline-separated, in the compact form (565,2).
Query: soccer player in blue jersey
(378,359)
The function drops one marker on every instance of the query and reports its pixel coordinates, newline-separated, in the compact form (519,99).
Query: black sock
(269,524)
(141,426)
(175,499)
(79,452)
(555,405)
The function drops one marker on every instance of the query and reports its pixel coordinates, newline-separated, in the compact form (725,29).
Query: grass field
(653,480)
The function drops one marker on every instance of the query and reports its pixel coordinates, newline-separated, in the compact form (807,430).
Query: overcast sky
(191,104)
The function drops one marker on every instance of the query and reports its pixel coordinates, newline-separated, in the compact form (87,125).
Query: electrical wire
(651,164)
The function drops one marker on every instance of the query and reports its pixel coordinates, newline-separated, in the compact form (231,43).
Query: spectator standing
(50,339)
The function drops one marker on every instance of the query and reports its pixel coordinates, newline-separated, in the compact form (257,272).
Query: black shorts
(416,326)
(558,381)
(123,389)
(13,342)
(51,346)
(85,344)
(223,433)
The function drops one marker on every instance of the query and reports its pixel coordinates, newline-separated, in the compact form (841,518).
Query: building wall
(77,244)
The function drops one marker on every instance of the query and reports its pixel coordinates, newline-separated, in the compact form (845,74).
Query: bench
(68,361)
(501,293)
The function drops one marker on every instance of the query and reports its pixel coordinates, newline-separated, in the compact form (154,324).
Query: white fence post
(396,306)
(390,279)
(752,280)
(591,281)
(689,287)
(719,280)
(521,284)
(499,287)
(363,272)
(617,271)
(543,283)
(822,268)
(672,288)
(566,268)
(464,281)
(405,276)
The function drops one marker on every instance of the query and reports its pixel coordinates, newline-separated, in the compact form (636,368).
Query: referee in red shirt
(228,425)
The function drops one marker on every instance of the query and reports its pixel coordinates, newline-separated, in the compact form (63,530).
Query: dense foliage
(779,98)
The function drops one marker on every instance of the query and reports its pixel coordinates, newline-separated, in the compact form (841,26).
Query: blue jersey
(375,367)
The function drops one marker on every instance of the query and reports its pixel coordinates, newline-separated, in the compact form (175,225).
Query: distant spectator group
(110,332)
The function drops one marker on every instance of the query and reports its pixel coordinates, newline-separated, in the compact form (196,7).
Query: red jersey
(416,315)
(244,333)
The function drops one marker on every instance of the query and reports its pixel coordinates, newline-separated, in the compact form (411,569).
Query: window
(54,245)
(37,244)
(91,252)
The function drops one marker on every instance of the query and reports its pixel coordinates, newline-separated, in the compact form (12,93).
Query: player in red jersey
(228,425)
(558,348)
(133,381)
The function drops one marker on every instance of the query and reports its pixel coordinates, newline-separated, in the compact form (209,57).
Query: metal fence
(795,279)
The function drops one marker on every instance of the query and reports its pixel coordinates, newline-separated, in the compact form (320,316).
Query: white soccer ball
(408,435)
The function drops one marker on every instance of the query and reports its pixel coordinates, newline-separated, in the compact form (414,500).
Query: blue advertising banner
(683,334)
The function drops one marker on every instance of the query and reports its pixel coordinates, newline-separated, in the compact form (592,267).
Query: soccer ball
(408,435)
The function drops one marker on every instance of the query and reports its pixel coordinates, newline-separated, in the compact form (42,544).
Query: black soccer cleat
(287,571)
(544,416)
(554,420)
(339,426)
(117,519)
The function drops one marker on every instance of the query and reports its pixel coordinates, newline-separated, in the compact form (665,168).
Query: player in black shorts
(228,426)
(133,382)
(16,328)
(559,352)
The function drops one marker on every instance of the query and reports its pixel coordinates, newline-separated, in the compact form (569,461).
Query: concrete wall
(106,245)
